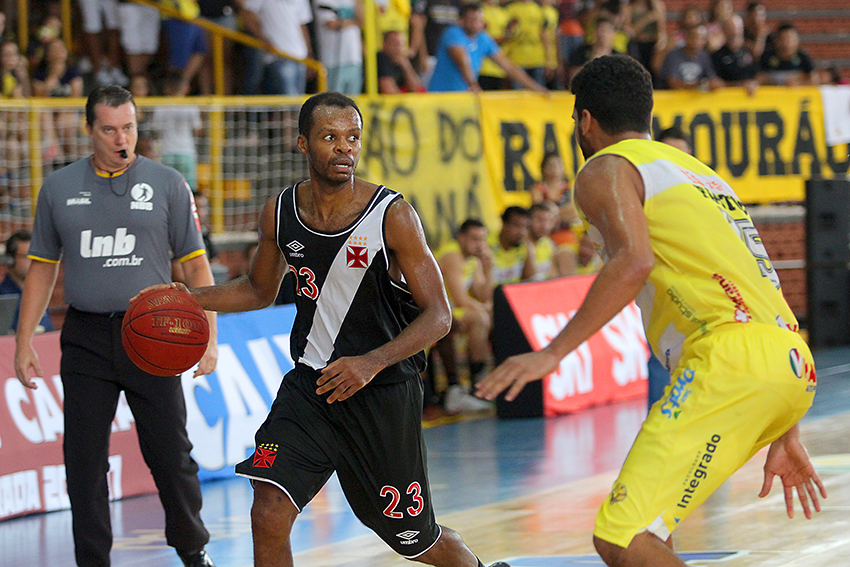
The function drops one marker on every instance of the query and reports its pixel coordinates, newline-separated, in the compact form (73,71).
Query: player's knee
(449,545)
(478,318)
(272,512)
(612,555)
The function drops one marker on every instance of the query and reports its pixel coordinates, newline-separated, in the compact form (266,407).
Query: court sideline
(524,490)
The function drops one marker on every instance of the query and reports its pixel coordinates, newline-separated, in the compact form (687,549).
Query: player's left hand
(345,376)
(787,458)
(516,372)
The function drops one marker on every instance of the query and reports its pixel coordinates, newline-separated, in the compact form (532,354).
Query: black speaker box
(508,340)
(828,305)
(827,222)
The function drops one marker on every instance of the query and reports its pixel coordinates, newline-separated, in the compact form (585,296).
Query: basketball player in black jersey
(369,299)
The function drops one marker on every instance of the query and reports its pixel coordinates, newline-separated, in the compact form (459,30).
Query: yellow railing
(217,32)
(214,107)
(220,32)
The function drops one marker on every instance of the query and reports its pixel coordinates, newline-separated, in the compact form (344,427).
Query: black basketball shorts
(373,441)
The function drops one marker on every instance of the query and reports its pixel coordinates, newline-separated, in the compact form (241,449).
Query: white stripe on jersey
(341,285)
(661,175)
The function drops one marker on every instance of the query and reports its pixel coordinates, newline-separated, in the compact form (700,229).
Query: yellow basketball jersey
(544,254)
(469,265)
(711,267)
(507,264)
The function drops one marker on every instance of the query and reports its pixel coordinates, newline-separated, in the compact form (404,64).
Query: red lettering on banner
(609,366)
(32,476)
(625,335)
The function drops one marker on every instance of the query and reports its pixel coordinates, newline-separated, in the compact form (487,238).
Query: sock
(475,369)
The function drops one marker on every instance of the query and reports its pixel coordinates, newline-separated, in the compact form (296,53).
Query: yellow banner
(429,148)
(765,145)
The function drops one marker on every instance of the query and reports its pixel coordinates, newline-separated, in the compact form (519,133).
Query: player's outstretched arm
(788,459)
(610,192)
(410,252)
(256,290)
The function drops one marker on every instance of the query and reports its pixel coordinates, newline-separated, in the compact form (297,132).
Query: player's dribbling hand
(787,458)
(345,376)
(515,373)
(175,285)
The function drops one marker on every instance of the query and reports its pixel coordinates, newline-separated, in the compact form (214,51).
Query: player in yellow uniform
(679,241)
(466,267)
(513,255)
(550,259)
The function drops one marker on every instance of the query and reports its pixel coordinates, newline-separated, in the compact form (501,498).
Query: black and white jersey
(347,303)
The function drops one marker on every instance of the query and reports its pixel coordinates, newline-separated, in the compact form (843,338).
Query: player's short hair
(673,132)
(617,91)
(329,98)
(469,224)
(110,95)
(514,211)
(13,242)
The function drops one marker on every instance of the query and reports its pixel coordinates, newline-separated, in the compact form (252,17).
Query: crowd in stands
(433,45)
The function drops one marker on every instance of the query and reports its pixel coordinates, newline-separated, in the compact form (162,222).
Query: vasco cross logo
(142,193)
(356,253)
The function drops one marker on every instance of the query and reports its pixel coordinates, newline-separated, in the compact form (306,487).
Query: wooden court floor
(525,491)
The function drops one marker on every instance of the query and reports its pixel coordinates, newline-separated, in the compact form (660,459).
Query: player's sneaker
(500,564)
(458,400)
(197,559)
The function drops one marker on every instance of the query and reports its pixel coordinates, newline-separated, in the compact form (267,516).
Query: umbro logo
(296,247)
(408,537)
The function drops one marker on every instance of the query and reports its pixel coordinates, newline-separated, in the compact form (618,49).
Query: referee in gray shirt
(114,220)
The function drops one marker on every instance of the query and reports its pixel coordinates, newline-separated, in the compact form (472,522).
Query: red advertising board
(610,366)
(32,473)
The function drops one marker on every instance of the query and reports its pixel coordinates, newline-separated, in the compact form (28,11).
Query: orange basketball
(165,332)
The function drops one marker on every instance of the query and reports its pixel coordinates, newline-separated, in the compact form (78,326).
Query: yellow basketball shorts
(734,392)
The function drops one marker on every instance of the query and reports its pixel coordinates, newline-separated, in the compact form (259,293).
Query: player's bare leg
(449,551)
(272,516)
(478,323)
(645,550)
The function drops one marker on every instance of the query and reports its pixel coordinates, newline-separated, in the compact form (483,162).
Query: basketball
(165,332)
